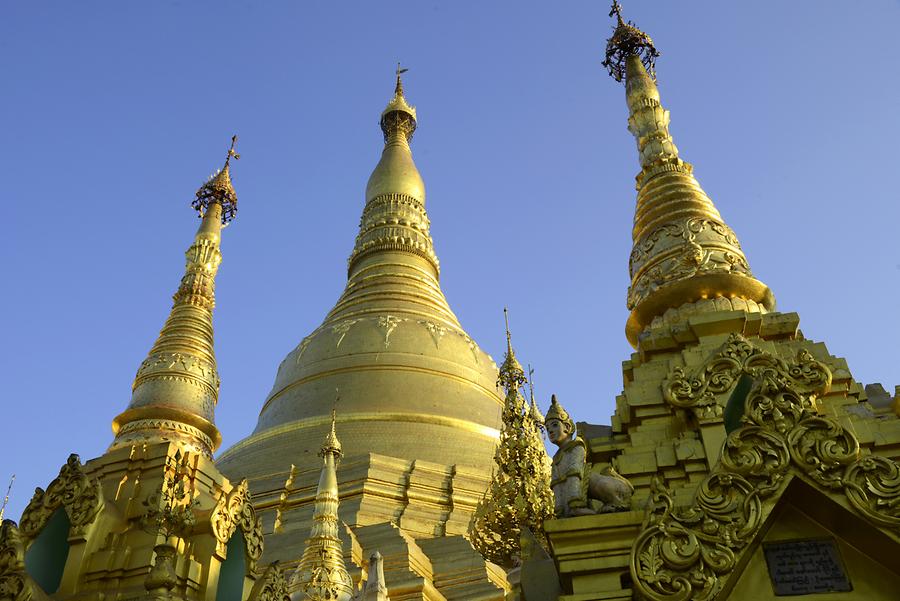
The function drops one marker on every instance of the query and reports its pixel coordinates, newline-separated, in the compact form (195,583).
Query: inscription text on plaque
(800,567)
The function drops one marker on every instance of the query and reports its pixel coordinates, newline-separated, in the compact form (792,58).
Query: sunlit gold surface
(702,324)
(683,250)
(405,368)
(419,409)
(176,388)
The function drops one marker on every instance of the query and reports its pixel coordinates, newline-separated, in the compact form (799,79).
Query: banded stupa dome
(403,367)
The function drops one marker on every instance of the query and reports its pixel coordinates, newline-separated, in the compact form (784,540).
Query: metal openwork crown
(627,40)
(218,189)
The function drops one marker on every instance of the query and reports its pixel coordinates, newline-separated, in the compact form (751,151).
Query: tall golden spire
(394,217)
(321,574)
(683,251)
(176,388)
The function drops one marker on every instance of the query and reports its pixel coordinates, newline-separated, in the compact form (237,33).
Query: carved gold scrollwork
(700,390)
(270,586)
(673,252)
(14,582)
(872,485)
(688,553)
(235,510)
(72,490)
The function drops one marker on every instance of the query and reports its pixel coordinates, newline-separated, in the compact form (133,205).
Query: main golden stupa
(755,466)
(391,349)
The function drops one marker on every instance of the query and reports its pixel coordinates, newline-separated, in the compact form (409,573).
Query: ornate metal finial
(627,40)
(6,498)
(511,373)
(218,189)
(332,444)
(398,90)
(508,336)
(617,10)
(231,152)
(398,117)
(534,411)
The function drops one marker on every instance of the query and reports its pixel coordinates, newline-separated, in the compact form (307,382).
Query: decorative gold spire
(519,495)
(6,498)
(394,217)
(683,251)
(511,372)
(176,388)
(535,413)
(332,444)
(321,574)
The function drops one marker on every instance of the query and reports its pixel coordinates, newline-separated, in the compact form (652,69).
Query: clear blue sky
(113,113)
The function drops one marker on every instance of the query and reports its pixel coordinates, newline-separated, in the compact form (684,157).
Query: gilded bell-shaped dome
(412,383)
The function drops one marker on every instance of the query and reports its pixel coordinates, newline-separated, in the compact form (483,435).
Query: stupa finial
(331,443)
(218,189)
(627,40)
(398,118)
(6,498)
(398,89)
(511,373)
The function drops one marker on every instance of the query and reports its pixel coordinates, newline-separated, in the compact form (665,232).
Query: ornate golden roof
(683,251)
(406,369)
(176,388)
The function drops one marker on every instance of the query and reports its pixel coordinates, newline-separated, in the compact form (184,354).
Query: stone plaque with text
(800,567)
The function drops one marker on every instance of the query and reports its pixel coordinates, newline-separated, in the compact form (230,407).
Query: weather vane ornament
(627,40)
(218,189)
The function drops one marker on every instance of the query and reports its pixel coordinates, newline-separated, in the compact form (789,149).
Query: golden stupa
(418,406)
(403,366)
(756,466)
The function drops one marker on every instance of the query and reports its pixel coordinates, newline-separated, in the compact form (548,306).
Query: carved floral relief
(689,553)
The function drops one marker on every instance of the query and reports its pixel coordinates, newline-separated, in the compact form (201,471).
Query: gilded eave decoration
(234,510)
(72,490)
(689,553)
